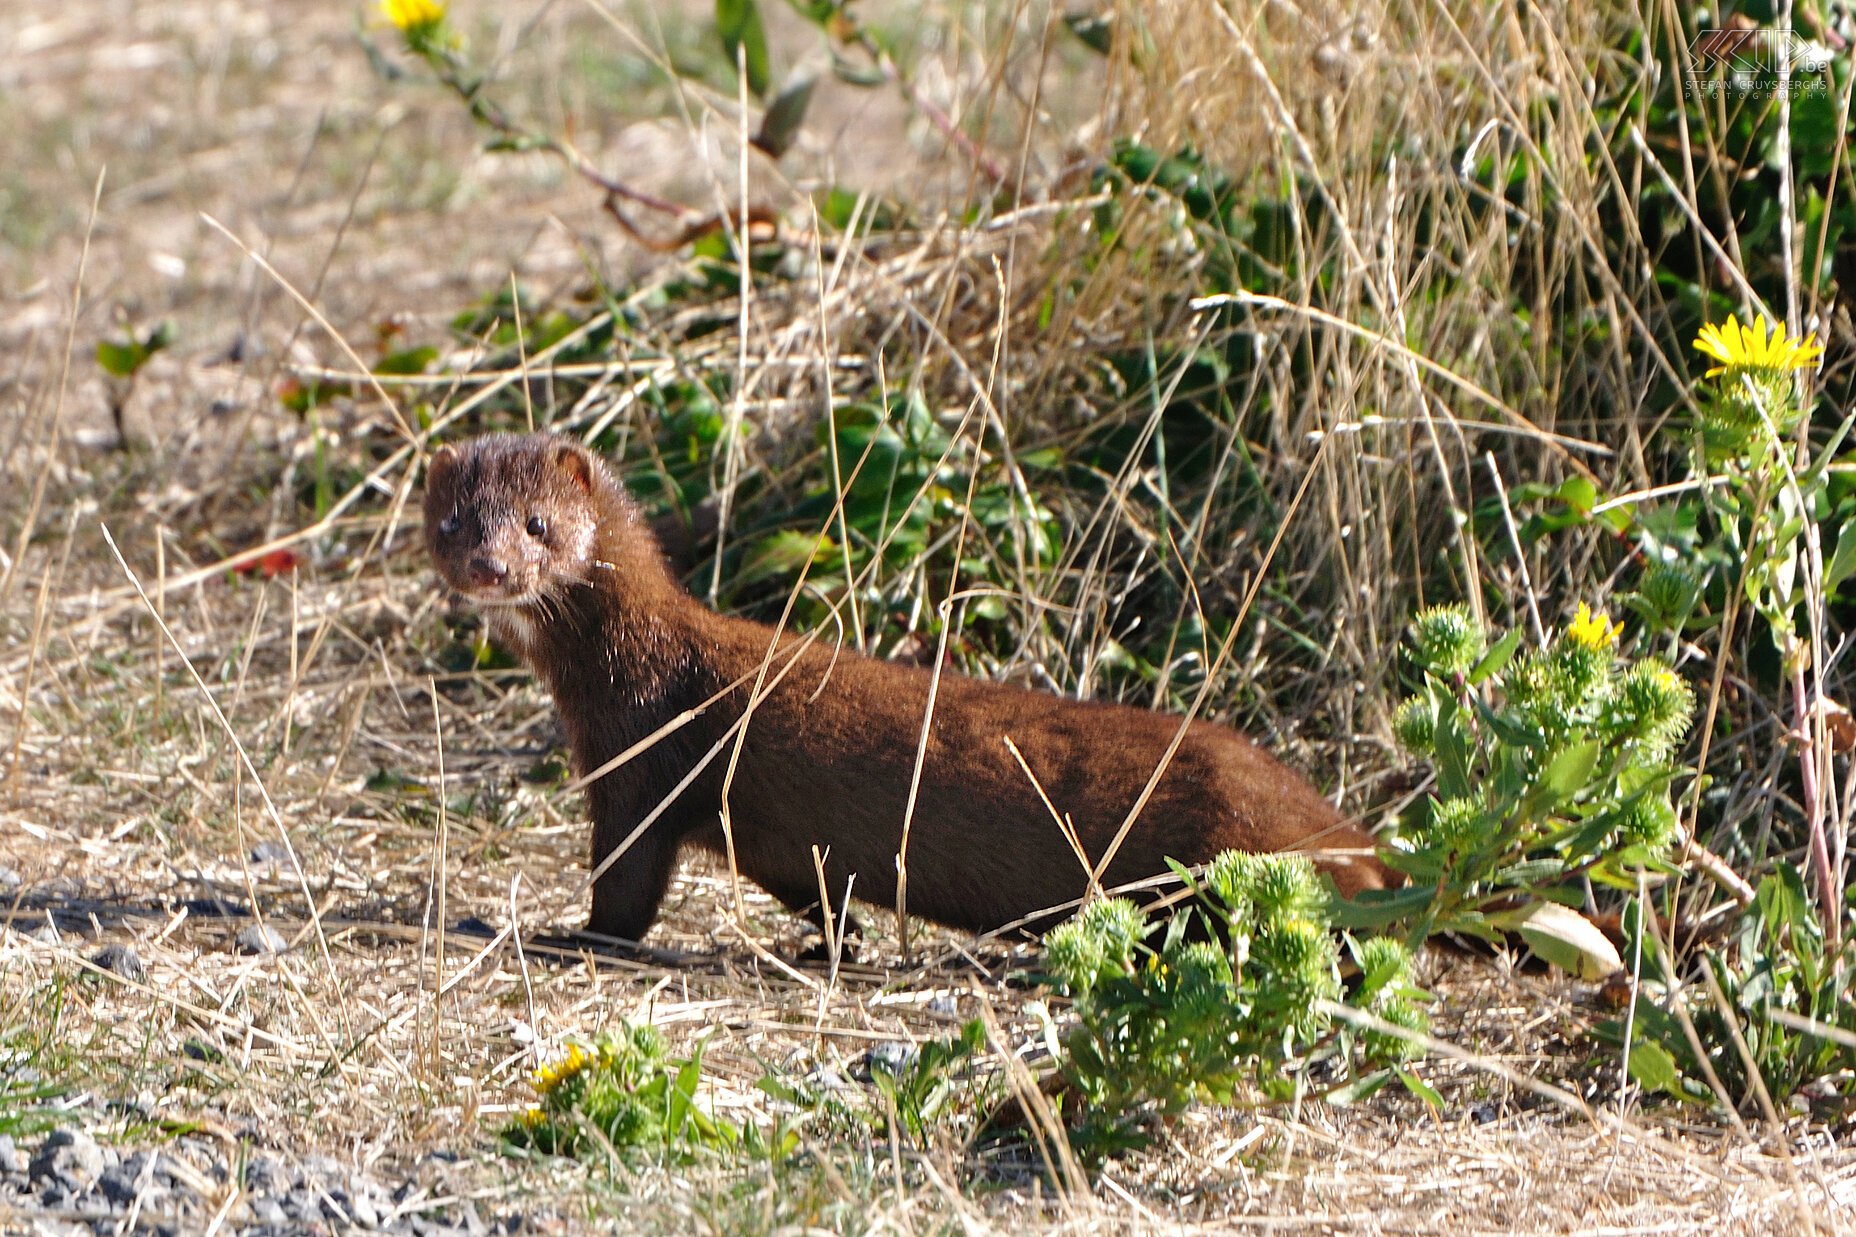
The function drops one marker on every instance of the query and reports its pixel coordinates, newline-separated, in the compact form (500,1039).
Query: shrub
(1158,1026)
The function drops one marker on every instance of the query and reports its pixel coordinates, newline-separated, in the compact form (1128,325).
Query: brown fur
(590,606)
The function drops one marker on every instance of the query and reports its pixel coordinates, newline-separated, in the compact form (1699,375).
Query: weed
(1158,1027)
(622,1094)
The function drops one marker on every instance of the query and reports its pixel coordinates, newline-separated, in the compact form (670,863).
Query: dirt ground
(233,149)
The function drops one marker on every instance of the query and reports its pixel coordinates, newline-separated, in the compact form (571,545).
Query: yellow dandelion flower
(1593,631)
(552,1075)
(1770,348)
(413,15)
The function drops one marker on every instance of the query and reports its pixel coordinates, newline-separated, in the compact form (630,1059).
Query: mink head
(513,520)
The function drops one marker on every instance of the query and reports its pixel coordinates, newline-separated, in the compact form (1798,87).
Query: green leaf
(1653,1068)
(1842,562)
(1096,30)
(1375,908)
(786,113)
(1579,494)
(1455,749)
(1420,1088)
(120,360)
(1496,659)
(1563,937)
(738,22)
(1359,1089)
(1511,728)
(783,554)
(816,11)
(409,361)
(854,74)
(1567,773)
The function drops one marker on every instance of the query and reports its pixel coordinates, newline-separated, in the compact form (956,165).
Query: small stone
(261,938)
(266,1210)
(200,1050)
(9,880)
(324,1167)
(263,1175)
(71,1157)
(121,961)
(944,1005)
(825,1078)
(11,1161)
(337,1206)
(118,1185)
(891,1057)
(269,852)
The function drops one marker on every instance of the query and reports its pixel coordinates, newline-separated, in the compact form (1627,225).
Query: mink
(535,530)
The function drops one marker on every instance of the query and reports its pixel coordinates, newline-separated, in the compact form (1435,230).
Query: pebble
(121,960)
(261,939)
(200,1050)
(119,1185)
(11,1161)
(267,1211)
(269,852)
(70,1157)
(892,1056)
(263,1175)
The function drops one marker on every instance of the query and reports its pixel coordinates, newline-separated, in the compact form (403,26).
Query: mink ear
(575,465)
(440,465)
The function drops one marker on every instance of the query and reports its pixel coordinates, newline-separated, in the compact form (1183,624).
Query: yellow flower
(548,1077)
(413,15)
(1594,631)
(1762,347)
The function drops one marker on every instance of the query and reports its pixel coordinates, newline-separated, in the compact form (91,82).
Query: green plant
(1553,766)
(1158,1026)
(916,1094)
(1764,523)
(1776,991)
(33,1064)
(624,1093)
(921,1091)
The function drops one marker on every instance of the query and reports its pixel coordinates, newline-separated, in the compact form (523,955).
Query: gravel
(70,1185)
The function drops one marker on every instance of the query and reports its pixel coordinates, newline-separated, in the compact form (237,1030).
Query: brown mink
(536,531)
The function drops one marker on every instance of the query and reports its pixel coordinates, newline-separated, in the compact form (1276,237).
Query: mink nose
(487,571)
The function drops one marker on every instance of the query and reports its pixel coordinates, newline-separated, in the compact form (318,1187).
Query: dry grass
(308,791)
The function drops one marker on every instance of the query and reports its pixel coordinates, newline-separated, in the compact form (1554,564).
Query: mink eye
(537,527)
(448,527)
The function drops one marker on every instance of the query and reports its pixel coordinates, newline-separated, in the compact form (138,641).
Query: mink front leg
(627,895)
